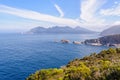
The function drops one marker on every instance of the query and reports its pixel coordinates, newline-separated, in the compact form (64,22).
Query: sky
(22,15)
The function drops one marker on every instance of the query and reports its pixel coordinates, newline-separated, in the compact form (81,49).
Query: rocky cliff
(111,40)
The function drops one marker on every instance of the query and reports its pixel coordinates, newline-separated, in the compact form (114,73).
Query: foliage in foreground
(102,66)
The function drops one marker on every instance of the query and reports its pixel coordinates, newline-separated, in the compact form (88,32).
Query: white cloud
(89,9)
(37,16)
(59,10)
(116,2)
(88,15)
(114,11)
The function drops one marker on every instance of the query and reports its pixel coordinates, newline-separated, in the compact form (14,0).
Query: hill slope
(111,31)
(102,66)
(59,30)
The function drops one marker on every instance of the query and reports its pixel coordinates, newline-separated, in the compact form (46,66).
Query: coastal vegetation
(102,66)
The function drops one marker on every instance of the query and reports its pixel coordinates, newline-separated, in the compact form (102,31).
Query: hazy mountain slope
(59,30)
(111,31)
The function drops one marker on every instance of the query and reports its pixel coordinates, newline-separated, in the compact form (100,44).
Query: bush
(111,51)
(77,73)
(102,66)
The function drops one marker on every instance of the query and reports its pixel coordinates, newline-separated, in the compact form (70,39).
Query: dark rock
(111,40)
(65,41)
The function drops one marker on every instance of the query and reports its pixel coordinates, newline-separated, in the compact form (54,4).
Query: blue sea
(21,55)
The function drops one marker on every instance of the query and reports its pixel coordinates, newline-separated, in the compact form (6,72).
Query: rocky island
(65,41)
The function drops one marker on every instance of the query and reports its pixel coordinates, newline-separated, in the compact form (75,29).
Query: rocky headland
(111,40)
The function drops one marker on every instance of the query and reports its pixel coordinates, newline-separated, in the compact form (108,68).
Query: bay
(21,55)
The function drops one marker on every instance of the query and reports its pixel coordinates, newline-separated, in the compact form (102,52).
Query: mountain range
(59,30)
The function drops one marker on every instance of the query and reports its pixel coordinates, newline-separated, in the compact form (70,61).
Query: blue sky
(21,15)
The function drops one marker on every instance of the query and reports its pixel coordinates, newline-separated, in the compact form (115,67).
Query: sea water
(22,55)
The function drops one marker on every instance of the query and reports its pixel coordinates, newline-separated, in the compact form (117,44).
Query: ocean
(22,55)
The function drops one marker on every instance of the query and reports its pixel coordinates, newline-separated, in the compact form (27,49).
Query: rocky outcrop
(111,40)
(68,41)
(65,41)
(77,42)
(94,42)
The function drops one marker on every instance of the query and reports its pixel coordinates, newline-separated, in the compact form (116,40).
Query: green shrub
(102,66)
(111,51)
